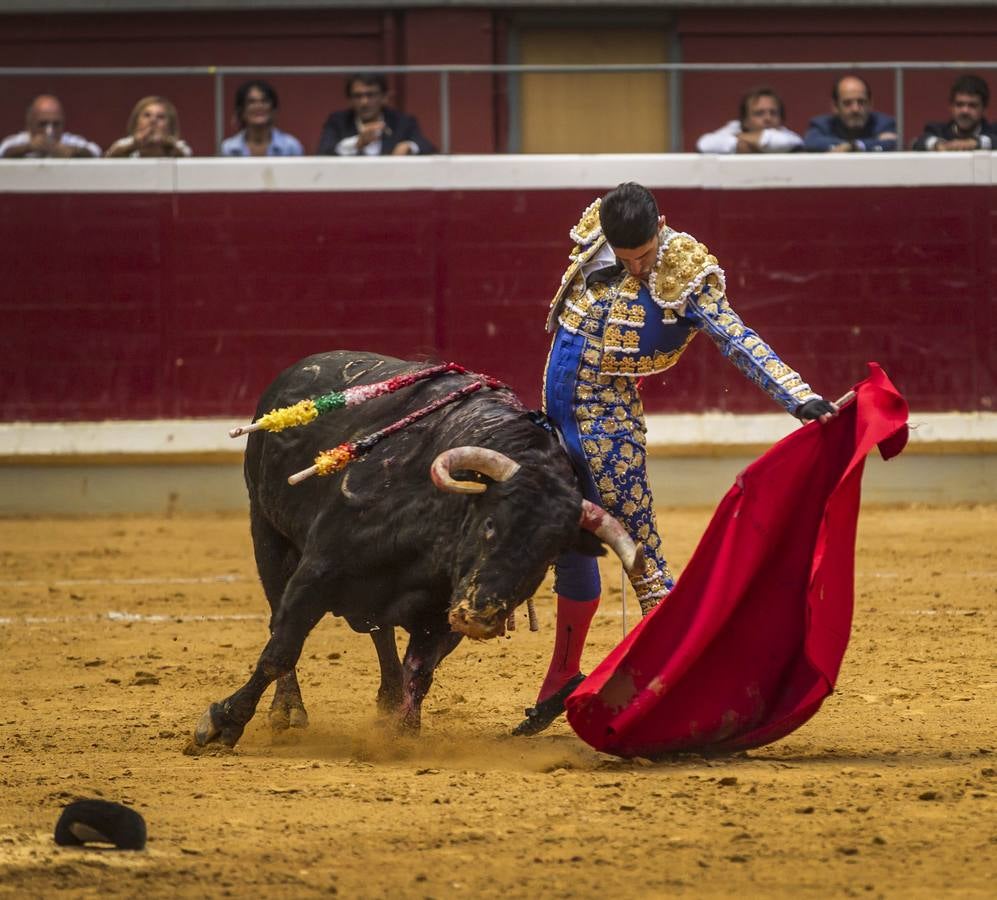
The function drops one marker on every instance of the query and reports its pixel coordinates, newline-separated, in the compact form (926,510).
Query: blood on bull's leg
(423,655)
(303,605)
(389,693)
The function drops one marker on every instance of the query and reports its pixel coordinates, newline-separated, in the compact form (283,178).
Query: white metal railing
(218,74)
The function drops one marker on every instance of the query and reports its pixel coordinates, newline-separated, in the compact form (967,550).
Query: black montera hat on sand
(100,822)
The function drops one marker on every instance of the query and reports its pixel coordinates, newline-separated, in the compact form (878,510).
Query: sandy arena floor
(115,634)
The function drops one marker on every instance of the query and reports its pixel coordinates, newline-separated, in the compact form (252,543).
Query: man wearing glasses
(369,127)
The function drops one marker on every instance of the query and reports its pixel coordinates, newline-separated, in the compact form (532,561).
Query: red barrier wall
(134,305)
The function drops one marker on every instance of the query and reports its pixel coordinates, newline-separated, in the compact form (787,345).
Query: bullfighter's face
(640,260)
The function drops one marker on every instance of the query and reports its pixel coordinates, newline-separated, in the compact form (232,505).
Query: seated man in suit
(853,125)
(369,127)
(967,129)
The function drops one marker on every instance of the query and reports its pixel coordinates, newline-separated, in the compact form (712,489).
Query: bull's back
(272,456)
(324,373)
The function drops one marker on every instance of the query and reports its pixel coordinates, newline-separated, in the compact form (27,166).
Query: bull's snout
(478,624)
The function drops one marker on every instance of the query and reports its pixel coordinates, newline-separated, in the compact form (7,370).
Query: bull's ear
(588,544)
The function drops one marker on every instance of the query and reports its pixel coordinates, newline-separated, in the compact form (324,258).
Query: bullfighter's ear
(588,544)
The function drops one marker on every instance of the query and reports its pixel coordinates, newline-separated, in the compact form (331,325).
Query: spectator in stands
(255,104)
(759,128)
(153,130)
(44,135)
(967,129)
(369,127)
(853,126)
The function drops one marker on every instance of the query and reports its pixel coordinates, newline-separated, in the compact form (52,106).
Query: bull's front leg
(302,606)
(424,653)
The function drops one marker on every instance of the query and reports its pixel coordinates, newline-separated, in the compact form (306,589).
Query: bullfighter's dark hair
(837,84)
(368,78)
(757,92)
(242,92)
(970,84)
(629,215)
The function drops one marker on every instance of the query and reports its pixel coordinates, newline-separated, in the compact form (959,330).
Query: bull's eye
(488,528)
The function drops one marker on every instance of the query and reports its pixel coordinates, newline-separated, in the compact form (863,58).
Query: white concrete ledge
(679,434)
(944,432)
(155,437)
(498,172)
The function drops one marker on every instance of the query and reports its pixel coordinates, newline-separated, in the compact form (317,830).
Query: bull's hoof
(541,717)
(212,728)
(282,719)
(409,721)
(389,701)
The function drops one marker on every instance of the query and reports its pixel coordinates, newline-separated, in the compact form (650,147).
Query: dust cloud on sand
(116,633)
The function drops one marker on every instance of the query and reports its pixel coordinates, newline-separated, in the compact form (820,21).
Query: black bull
(387,543)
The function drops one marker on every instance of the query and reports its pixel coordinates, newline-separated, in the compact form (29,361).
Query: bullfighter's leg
(276,560)
(577,586)
(608,453)
(424,653)
(389,694)
(303,605)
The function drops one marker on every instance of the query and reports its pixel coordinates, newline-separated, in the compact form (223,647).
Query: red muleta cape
(749,643)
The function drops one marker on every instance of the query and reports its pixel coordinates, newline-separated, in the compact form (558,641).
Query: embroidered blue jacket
(636,329)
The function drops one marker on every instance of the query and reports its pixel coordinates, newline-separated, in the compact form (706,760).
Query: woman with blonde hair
(153,130)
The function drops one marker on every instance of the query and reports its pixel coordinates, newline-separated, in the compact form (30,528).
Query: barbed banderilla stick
(337,458)
(306,411)
(623,596)
(531,611)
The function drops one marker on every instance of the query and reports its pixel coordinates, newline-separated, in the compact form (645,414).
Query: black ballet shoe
(540,717)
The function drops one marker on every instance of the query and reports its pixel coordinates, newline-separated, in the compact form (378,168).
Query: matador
(634,295)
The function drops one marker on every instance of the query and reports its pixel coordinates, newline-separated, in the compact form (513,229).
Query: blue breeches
(601,420)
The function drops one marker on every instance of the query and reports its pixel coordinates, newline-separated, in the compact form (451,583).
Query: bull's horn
(495,465)
(607,529)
